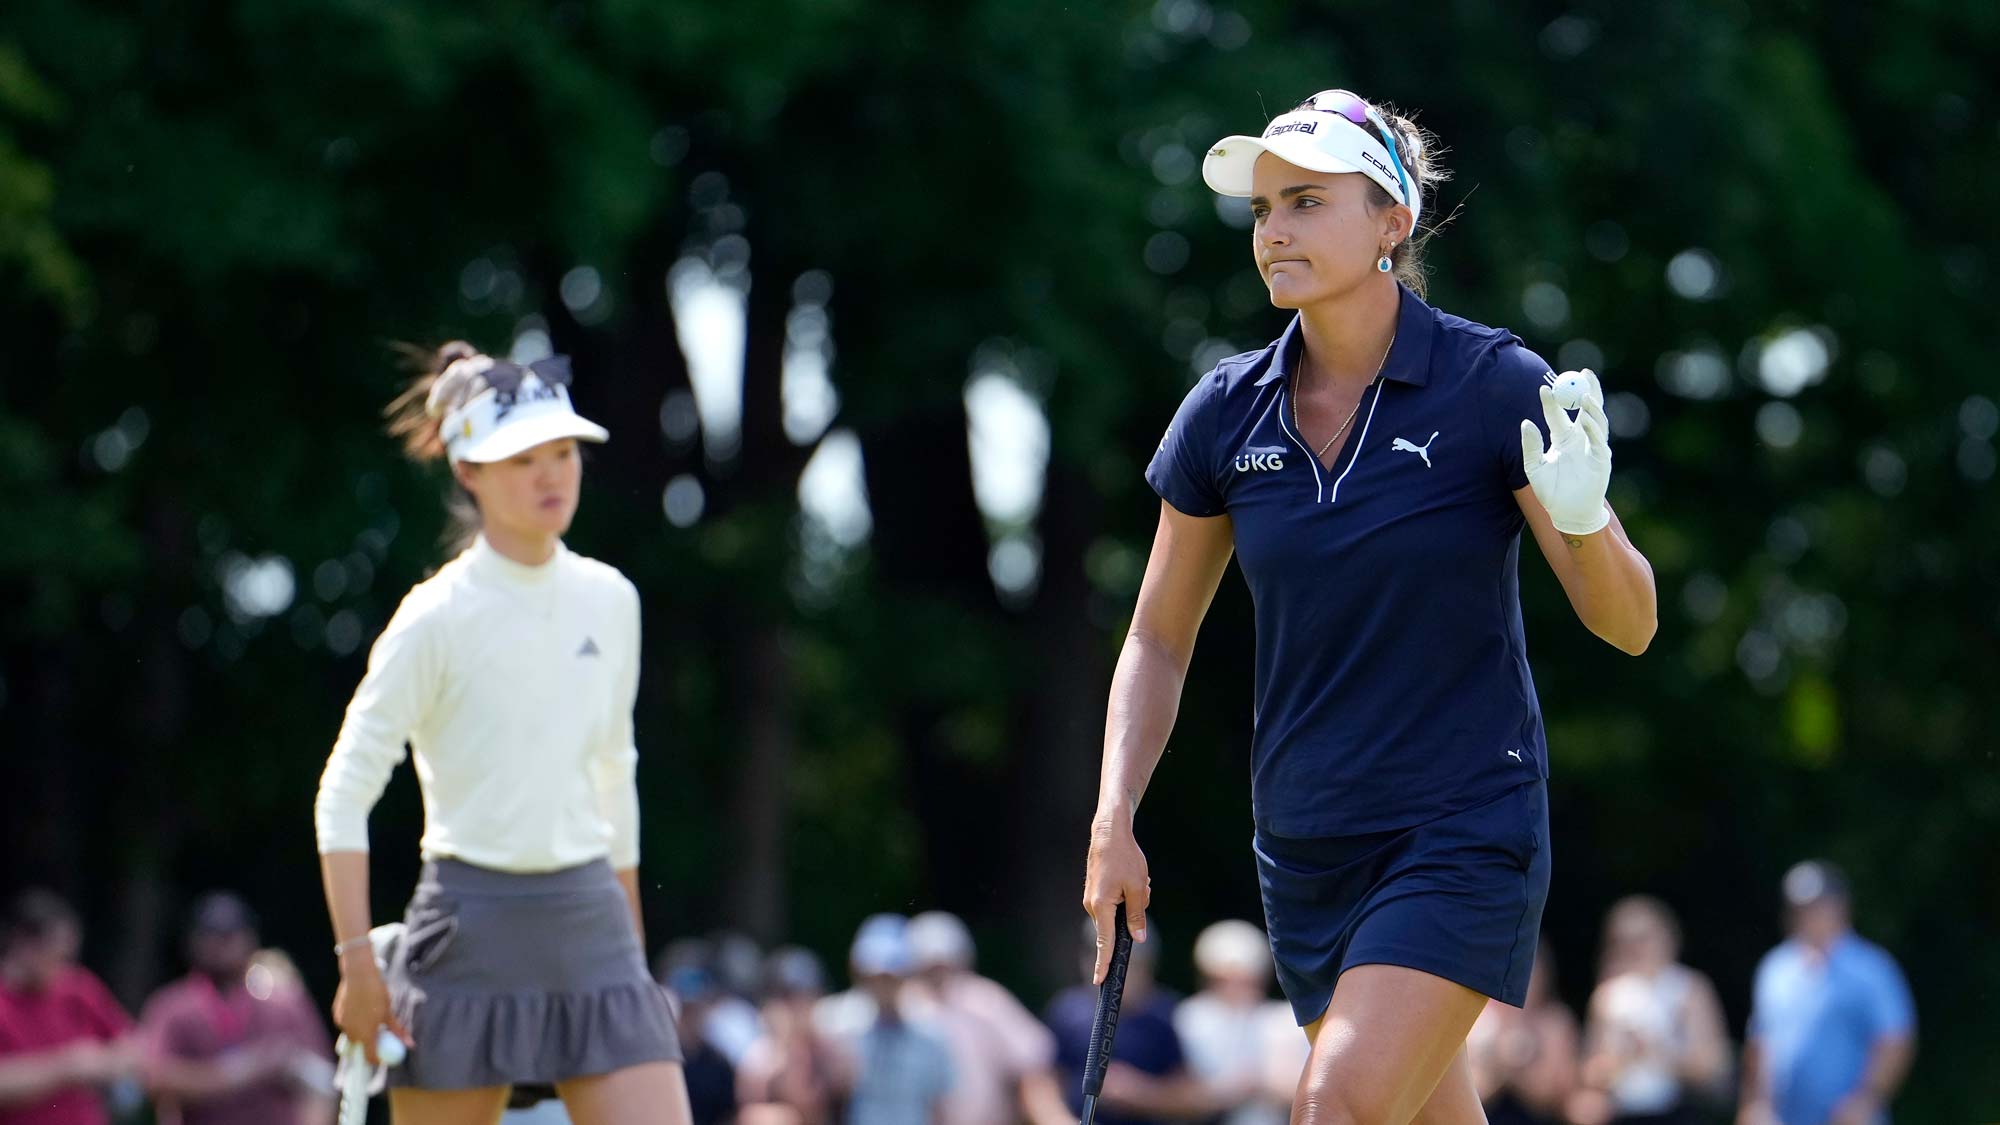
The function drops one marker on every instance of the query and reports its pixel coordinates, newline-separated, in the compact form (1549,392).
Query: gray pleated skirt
(508,979)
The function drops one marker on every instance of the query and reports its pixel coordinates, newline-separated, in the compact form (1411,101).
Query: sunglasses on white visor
(1307,137)
(520,408)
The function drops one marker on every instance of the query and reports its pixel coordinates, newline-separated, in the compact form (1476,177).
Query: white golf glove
(1570,478)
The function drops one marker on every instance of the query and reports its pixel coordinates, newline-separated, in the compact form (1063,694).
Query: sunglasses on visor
(1357,111)
(506,377)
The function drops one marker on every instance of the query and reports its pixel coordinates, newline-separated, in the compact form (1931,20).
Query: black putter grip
(1109,996)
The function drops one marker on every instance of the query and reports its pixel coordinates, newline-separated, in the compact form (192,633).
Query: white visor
(1320,140)
(493,427)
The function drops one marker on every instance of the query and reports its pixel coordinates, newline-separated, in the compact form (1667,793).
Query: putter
(1104,1028)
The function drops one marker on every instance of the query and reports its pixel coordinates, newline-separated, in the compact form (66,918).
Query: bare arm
(317,1108)
(1889,1063)
(1607,1045)
(361,1003)
(1041,1098)
(195,1080)
(344,877)
(1705,1062)
(26,1078)
(1189,556)
(1549,1078)
(1608,582)
(1179,1095)
(1889,1059)
(1753,1100)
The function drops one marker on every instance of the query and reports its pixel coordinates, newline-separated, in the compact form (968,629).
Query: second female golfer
(511,674)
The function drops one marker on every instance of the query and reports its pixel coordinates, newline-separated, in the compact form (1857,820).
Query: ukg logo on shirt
(1261,459)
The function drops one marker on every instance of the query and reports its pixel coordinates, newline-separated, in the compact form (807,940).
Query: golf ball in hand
(389,1049)
(1570,389)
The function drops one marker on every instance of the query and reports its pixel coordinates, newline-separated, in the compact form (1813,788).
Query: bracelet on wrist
(342,948)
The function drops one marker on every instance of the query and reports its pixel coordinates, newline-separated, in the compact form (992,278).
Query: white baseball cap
(1811,880)
(881,946)
(520,408)
(1233,947)
(939,938)
(1332,131)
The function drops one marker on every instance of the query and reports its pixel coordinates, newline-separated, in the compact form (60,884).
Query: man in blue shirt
(1148,1080)
(1832,1029)
(902,1071)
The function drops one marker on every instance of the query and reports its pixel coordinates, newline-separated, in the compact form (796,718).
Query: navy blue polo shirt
(1392,682)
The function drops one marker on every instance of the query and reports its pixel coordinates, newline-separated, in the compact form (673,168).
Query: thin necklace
(1321,455)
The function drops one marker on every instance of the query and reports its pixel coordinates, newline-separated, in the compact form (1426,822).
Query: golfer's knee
(1323,1103)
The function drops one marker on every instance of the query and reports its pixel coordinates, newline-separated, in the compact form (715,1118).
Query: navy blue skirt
(1459,897)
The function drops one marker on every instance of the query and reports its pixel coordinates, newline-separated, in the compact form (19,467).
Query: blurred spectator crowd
(237,1041)
(919,1037)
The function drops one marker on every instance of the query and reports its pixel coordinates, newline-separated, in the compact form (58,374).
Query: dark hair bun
(413,416)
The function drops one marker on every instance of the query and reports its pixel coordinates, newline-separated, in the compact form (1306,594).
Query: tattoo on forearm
(1575,544)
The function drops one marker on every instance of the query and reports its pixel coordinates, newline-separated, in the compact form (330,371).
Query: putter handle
(1110,996)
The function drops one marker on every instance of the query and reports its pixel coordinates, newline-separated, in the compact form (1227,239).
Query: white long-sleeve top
(514,687)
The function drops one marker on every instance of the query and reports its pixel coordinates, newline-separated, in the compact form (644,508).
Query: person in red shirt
(62,1037)
(237,1041)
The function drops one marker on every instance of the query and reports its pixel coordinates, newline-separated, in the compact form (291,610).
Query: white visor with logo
(496,425)
(1318,140)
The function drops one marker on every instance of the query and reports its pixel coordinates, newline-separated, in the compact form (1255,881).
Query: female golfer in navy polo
(1373,467)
